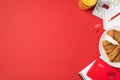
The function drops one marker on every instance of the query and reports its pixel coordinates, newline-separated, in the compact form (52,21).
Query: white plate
(102,51)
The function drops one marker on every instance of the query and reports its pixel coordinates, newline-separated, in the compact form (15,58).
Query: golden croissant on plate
(112,51)
(109,47)
(115,34)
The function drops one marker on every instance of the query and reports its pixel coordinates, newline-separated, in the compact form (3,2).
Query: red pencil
(114,16)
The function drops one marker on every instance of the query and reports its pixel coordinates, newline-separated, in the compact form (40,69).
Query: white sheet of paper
(109,14)
(99,10)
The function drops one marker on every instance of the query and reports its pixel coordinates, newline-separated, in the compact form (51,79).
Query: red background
(46,39)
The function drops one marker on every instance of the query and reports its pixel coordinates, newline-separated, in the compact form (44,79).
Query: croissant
(108,47)
(112,51)
(115,35)
(114,55)
(117,58)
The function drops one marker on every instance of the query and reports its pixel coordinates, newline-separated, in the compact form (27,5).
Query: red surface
(46,39)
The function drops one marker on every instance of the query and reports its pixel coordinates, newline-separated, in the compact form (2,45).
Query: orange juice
(86,4)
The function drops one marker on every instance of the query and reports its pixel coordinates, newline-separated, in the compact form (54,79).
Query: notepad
(103,5)
(83,73)
(111,17)
(102,71)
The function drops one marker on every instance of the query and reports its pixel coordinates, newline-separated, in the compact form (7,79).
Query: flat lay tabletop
(46,39)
